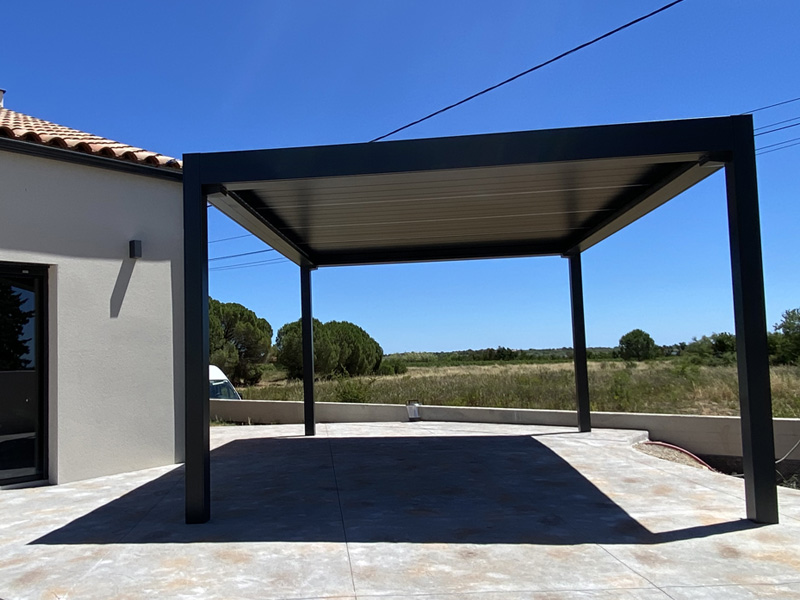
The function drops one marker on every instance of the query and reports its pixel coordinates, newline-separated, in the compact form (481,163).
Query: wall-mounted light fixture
(135,249)
(413,410)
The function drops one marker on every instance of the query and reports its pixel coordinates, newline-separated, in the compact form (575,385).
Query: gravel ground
(670,454)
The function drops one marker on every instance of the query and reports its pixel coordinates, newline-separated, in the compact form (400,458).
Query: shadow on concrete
(471,489)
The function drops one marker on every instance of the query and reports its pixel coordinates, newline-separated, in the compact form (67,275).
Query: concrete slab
(617,594)
(736,592)
(431,511)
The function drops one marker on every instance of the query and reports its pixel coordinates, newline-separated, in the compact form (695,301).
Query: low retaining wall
(706,435)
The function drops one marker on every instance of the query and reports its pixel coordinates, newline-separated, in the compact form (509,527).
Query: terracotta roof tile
(18,126)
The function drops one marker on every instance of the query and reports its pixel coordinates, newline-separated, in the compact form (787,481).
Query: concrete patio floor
(430,511)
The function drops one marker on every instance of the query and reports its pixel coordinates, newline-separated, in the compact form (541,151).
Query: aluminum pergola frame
(291,198)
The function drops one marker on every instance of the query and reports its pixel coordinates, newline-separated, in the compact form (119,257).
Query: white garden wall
(707,435)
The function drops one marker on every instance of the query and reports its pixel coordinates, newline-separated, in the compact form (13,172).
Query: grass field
(656,387)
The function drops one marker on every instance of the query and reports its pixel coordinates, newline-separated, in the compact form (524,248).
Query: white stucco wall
(116,325)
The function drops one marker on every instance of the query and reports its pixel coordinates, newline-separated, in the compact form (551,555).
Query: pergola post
(579,342)
(195,290)
(308,349)
(755,400)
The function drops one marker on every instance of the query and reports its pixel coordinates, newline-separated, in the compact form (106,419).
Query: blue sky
(198,76)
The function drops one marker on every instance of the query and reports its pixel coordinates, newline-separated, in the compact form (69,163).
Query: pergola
(528,193)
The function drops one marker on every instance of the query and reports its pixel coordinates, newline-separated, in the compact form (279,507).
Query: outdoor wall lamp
(135,249)
(413,410)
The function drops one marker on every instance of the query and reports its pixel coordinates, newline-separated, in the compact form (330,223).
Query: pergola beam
(235,206)
(641,204)
(677,141)
(442,252)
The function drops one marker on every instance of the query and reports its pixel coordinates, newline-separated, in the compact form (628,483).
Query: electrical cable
(250,264)
(785,456)
(777,123)
(227,239)
(777,144)
(242,254)
(242,265)
(777,149)
(755,110)
(531,70)
(777,129)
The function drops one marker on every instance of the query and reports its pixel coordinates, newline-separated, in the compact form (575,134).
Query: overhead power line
(778,146)
(777,129)
(755,110)
(242,254)
(776,149)
(227,239)
(776,123)
(778,143)
(250,264)
(531,70)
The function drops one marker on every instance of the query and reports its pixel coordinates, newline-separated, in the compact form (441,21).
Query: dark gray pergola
(529,193)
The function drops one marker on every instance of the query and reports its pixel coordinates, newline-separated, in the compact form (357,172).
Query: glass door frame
(39,274)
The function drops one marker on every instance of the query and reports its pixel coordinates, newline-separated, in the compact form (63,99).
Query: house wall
(115,324)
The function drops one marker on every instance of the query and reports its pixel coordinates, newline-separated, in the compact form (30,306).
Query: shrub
(788,341)
(636,345)
(723,343)
(353,389)
(714,350)
(392,366)
(385,369)
(399,366)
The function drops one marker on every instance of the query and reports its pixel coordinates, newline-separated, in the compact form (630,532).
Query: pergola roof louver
(484,196)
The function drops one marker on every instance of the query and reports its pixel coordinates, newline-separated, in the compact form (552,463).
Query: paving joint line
(630,568)
(121,539)
(733,585)
(509,594)
(341,514)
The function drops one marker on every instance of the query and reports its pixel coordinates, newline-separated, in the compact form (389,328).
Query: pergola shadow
(448,490)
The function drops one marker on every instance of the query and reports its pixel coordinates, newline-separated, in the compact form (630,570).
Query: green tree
(289,349)
(340,348)
(716,349)
(636,345)
(723,343)
(788,342)
(359,353)
(774,339)
(239,341)
(13,345)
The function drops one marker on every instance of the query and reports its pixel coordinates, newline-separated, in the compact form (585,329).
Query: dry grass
(518,368)
(658,387)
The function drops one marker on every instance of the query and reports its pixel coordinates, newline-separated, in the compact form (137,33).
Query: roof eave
(93,160)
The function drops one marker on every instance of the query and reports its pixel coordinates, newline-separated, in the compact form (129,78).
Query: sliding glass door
(22,373)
